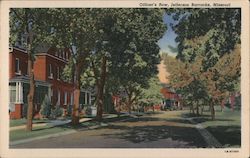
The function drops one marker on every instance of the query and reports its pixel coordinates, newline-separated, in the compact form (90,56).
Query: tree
(207,35)
(75,29)
(126,52)
(46,107)
(151,96)
(140,31)
(29,24)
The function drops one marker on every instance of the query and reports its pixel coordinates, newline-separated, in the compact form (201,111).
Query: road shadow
(228,136)
(143,119)
(146,134)
(179,121)
(202,118)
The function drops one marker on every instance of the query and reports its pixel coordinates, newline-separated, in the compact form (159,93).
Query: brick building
(48,68)
(171,98)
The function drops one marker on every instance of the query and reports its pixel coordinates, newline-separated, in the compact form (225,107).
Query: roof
(25,79)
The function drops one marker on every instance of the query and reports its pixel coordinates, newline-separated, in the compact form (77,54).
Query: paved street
(152,131)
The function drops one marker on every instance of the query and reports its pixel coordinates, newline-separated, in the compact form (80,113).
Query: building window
(17,66)
(65,98)
(12,94)
(50,71)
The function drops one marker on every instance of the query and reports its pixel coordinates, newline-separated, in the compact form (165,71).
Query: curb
(207,136)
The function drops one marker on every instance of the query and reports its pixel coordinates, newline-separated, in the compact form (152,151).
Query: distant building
(48,68)
(171,98)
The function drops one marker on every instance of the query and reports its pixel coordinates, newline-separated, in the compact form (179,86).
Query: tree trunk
(75,113)
(129,104)
(192,108)
(197,109)
(100,89)
(212,110)
(202,109)
(31,91)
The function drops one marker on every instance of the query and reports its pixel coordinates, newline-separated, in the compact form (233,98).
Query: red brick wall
(57,84)
(17,114)
(23,62)
(40,70)
(167,94)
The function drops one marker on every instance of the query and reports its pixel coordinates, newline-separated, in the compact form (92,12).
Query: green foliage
(57,112)
(207,68)
(35,21)
(69,110)
(46,107)
(151,95)
(213,31)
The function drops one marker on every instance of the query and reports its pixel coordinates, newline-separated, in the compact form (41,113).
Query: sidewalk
(207,136)
(52,123)
(55,123)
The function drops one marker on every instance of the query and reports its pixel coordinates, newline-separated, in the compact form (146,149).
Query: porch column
(21,92)
(71,98)
(49,93)
(89,98)
(17,92)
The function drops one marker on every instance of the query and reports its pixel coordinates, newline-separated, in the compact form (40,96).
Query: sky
(169,36)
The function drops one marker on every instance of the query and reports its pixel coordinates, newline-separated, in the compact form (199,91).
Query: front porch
(18,91)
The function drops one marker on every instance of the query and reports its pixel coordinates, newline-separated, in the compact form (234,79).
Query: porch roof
(25,79)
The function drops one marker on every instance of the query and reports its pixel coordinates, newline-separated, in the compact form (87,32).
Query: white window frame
(50,71)
(12,98)
(17,63)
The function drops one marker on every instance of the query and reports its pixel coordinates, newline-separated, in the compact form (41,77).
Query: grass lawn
(47,129)
(20,122)
(37,131)
(226,127)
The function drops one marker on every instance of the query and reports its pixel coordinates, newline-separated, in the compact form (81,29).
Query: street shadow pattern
(202,118)
(143,119)
(229,136)
(139,134)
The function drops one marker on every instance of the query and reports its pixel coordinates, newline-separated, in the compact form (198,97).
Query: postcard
(124,78)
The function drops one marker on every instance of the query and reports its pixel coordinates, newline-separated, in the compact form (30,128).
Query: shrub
(46,107)
(69,110)
(57,112)
(88,111)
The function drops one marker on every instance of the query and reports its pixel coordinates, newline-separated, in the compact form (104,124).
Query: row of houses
(48,68)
